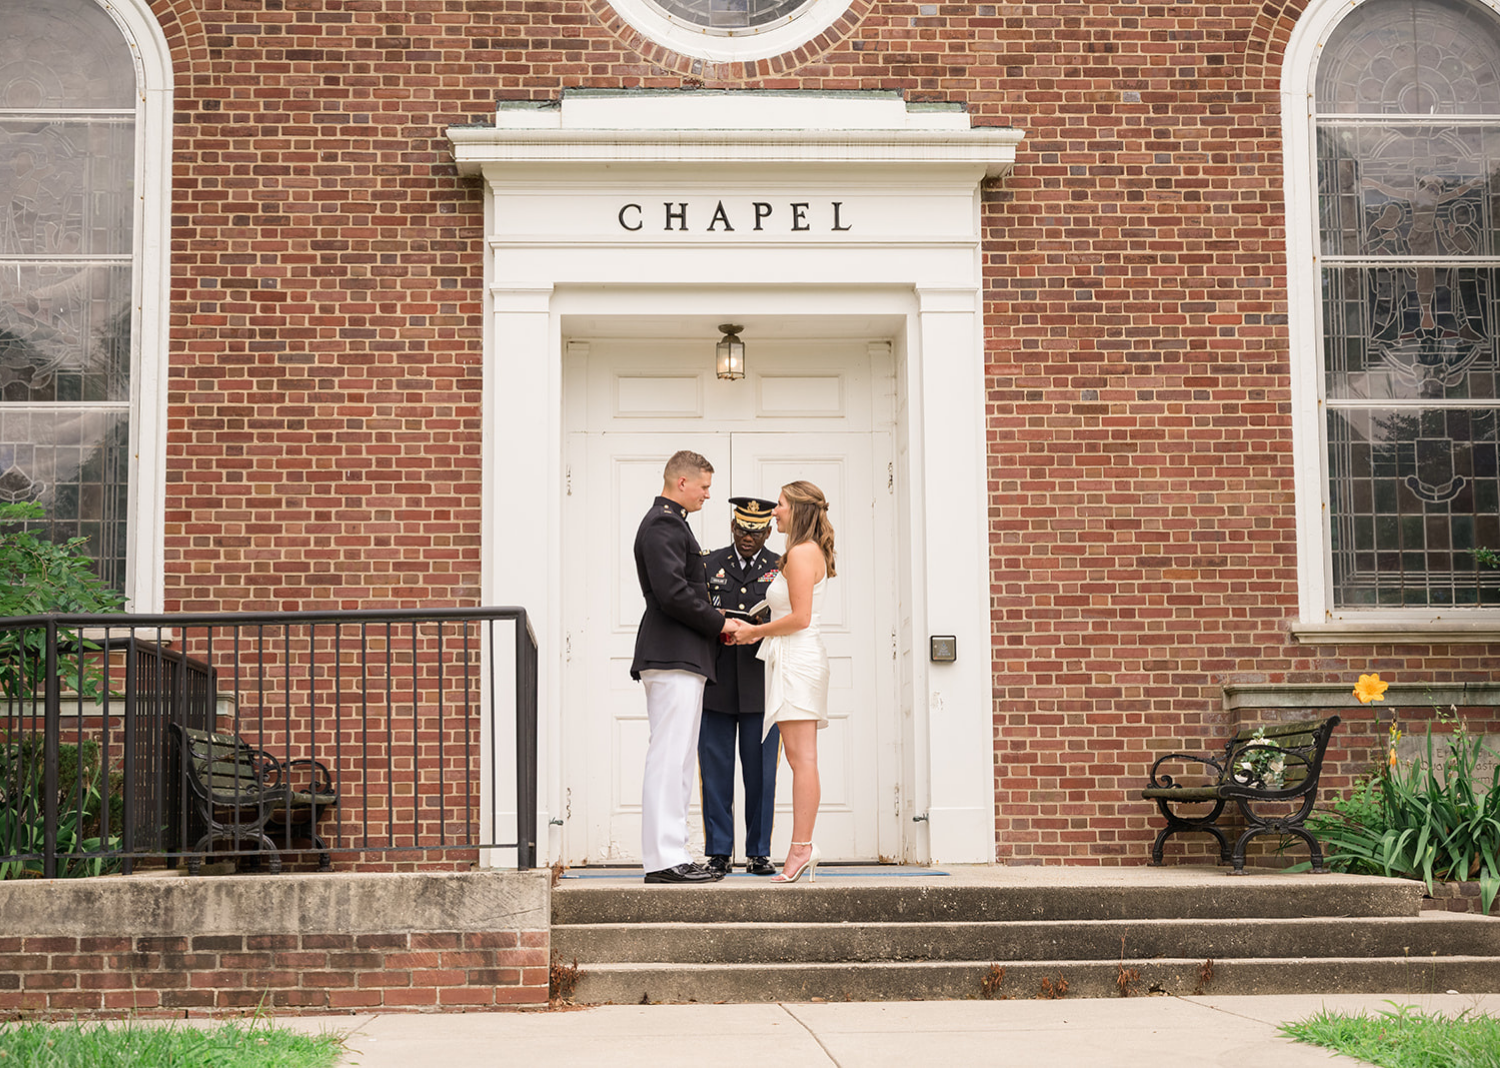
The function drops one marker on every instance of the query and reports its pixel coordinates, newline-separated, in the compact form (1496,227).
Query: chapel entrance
(816,408)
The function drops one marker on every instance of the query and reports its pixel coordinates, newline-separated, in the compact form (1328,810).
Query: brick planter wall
(169,945)
(1456,897)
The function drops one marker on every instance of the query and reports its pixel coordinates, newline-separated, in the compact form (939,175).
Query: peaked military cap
(752,513)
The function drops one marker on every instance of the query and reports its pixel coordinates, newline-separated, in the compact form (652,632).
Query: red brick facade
(285,973)
(325,343)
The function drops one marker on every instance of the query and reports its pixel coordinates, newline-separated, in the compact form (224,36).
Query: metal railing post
(51,728)
(526,668)
(127,785)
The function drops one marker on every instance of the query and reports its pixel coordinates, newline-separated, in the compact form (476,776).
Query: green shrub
(82,786)
(38,576)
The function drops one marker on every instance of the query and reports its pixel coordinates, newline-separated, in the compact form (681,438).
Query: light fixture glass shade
(730,353)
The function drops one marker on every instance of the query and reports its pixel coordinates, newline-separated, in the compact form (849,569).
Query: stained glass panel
(75,463)
(727,16)
(1411,333)
(1411,57)
(1416,490)
(1405,190)
(63,54)
(66,187)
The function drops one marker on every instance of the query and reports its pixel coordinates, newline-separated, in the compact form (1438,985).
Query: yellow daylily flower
(1370,688)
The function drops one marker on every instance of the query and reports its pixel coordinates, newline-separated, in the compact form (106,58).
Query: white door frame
(903,245)
(848,411)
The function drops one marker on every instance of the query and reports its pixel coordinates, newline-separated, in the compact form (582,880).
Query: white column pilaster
(954,554)
(520,565)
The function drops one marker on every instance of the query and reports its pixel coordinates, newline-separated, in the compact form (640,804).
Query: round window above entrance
(725,31)
(726,18)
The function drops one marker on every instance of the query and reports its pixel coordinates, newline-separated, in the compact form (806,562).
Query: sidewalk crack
(815,1037)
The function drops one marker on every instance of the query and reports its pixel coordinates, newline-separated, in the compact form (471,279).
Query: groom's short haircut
(685,464)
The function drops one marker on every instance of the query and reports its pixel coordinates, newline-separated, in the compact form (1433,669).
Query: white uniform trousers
(674,707)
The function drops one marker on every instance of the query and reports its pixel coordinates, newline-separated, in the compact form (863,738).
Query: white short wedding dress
(796,663)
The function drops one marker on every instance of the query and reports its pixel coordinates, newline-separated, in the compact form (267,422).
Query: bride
(796,661)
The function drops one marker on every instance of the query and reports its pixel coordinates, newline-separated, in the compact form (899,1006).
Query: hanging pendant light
(730,353)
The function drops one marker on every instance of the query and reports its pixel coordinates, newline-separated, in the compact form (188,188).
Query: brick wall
(173,946)
(154,976)
(326,321)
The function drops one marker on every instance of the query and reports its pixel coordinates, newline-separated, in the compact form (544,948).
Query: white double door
(613,477)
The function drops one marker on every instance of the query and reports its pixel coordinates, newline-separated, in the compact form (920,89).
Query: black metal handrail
(385,696)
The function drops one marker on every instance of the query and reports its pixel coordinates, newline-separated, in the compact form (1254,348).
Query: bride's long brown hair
(808,521)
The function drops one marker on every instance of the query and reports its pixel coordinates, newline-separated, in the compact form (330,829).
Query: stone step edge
(799,904)
(1427,919)
(1128,962)
(968,980)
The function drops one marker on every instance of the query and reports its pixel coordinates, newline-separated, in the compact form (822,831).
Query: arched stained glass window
(68,151)
(1407,126)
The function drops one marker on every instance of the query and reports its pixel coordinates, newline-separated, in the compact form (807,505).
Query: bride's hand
(747,636)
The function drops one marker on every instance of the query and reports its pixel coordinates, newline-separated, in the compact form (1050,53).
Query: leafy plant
(36,577)
(1487,557)
(82,786)
(1430,819)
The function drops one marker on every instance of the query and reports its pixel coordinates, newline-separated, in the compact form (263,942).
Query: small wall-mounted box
(944,649)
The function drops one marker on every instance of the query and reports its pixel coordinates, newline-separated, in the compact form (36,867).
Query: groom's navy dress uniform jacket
(680,628)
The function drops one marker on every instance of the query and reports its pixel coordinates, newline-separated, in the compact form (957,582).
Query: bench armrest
(319,779)
(1166,780)
(268,770)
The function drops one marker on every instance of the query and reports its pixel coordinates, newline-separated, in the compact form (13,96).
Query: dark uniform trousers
(734,714)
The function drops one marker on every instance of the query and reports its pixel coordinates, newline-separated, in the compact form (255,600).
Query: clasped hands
(737,632)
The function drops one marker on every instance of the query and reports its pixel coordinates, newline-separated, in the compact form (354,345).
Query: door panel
(840,465)
(622,474)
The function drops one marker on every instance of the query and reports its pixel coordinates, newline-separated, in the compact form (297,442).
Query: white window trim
(1318,621)
(151,296)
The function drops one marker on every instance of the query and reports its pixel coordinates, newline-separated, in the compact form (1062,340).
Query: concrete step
(894,935)
(1213,895)
(1441,934)
(709,983)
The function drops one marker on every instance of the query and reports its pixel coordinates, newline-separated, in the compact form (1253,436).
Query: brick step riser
(637,984)
(824,903)
(1233,939)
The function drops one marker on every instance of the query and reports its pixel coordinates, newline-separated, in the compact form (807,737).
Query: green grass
(130,1045)
(1405,1037)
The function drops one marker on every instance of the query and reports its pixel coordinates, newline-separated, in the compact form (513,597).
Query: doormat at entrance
(825,871)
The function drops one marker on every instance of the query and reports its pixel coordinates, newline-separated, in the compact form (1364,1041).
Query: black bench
(241,792)
(1278,764)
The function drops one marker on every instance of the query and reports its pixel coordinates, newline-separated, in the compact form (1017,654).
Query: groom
(674,658)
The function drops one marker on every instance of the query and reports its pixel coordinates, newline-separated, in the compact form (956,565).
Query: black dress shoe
(682,873)
(718,865)
(760,866)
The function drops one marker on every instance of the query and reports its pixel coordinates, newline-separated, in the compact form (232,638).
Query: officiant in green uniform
(738,576)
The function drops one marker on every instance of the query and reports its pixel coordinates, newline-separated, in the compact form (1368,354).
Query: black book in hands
(747,615)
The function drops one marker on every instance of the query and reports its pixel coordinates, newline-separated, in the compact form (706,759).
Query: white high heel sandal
(810,865)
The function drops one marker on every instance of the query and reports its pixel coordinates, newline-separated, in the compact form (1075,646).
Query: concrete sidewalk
(1123,1033)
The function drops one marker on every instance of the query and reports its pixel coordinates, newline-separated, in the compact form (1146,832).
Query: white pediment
(704,127)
